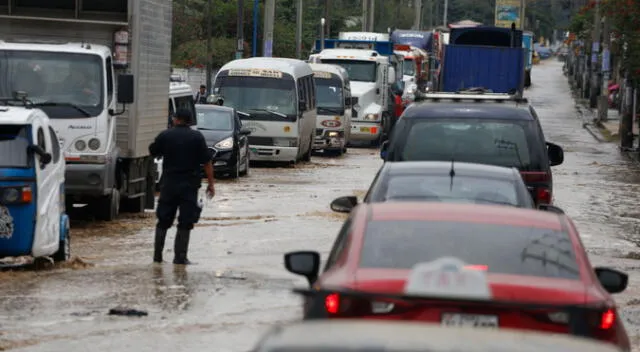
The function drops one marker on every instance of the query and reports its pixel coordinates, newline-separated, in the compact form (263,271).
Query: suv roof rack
(471,95)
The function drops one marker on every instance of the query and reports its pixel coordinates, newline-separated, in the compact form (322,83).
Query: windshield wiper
(333,110)
(243,113)
(271,112)
(74,106)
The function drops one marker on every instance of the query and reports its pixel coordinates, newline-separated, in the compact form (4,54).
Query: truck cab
(84,76)
(335,107)
(371,75)
(33,219)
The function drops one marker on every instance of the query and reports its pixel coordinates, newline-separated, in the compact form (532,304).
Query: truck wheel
(109,206)
(527,79)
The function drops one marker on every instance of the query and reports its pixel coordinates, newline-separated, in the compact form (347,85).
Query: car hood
(503,287)
(213,137)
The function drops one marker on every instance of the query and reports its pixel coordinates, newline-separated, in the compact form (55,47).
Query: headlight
(333,134)
(80,145)
(94,144)
(10,195)
(226,143)
(285,142)
(372,117)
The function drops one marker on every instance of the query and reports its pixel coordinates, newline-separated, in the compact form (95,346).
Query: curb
(589,124)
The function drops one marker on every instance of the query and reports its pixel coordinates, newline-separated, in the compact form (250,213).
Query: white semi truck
(371,73)
(100,69)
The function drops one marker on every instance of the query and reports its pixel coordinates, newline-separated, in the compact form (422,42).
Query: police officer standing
(183,150)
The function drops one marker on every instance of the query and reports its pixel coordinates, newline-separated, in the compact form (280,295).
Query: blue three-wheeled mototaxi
(33,221)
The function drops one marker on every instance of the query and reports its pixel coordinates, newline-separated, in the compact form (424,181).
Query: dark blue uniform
(184,151)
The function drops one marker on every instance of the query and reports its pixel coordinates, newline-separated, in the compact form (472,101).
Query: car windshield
(14,140)
(458,189)
(505,249)
(362,71)
(482,141)
(263,97)
(329,93)
(409,67)
(59,80)
(212,119)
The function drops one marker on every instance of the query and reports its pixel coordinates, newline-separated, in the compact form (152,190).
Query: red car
(526,255)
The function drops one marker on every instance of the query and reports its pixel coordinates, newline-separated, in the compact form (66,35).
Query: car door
(47,230)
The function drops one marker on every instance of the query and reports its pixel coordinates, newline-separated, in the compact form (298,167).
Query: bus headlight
(225,144)
(80,145)
(372,117)
(285,142)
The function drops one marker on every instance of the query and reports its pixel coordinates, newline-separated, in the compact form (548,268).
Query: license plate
(364,129)
(469,320)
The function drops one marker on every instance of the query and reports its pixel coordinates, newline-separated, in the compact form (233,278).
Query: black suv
(493,129)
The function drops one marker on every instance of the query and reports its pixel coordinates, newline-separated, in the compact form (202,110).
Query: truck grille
(260,140)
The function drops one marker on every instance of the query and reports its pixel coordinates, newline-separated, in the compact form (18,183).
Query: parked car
(441,181)
(227,139)
(494,129)
(377,336)
(524,256)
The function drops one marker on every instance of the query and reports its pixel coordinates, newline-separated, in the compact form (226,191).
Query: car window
(502,249)
(14,142)
(212,119)
(495,142)
(339,245)
(55,145)
(458,189)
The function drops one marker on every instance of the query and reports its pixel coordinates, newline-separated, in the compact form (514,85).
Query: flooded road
(239,286)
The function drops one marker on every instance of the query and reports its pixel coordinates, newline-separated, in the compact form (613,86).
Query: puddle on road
(125,224)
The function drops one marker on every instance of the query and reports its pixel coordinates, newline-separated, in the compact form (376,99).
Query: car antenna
(452,173)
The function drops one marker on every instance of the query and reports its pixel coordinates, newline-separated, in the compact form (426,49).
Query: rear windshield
(14,141)
(503,249)
(459,189)
(495,142)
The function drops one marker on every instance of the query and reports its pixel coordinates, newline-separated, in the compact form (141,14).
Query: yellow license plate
(364,129)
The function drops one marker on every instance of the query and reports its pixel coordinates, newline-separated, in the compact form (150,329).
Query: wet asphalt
(239,287)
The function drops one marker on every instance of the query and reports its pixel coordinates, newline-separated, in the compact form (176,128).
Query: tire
(307,155)
(108,207)
(235,171)
(64,251)
(245,172)
(527,79)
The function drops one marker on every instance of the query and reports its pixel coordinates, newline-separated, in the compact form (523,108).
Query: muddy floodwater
(239,286)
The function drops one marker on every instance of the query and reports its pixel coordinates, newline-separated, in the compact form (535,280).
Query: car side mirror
(344,204)
(354,100)
(555,154)
(612,280)
(45,158)
(125,89)
(245,131)
(302,106)
(383,150)
(303,263)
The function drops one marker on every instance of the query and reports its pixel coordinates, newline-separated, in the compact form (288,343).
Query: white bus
(276,100)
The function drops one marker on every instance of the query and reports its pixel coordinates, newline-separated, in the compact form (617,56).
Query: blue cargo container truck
(527,44)
(492,58)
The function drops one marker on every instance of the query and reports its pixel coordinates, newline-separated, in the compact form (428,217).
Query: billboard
(508,12)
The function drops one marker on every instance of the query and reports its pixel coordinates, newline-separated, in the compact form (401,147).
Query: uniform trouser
(178,195)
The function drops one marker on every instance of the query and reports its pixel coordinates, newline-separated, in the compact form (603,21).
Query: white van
(335,106)
(276,101)
(180,97)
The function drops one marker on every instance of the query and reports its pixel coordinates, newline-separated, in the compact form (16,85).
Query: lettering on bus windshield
(256,72)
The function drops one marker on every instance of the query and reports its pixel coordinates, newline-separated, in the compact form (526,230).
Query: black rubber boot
(158,246)
(181,247)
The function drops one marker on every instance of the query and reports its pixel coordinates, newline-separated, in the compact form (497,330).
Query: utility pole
(444,16)
(240,30)
(269,17)
(327,18)
(299,29)
(595,49)
(417,7)
(603,100)
(256,19)
(209,53)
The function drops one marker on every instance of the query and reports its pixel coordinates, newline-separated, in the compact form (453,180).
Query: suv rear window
(496,142)
(503,249)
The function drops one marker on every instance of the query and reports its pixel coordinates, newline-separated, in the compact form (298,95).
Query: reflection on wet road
(239,286)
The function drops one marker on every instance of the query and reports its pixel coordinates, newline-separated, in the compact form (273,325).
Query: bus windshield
(263,98)
(65,85)
(363,71)
(329,94)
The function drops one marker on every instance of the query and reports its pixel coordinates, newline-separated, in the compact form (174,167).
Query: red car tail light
(543,195)
(332,303)
(608,319)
